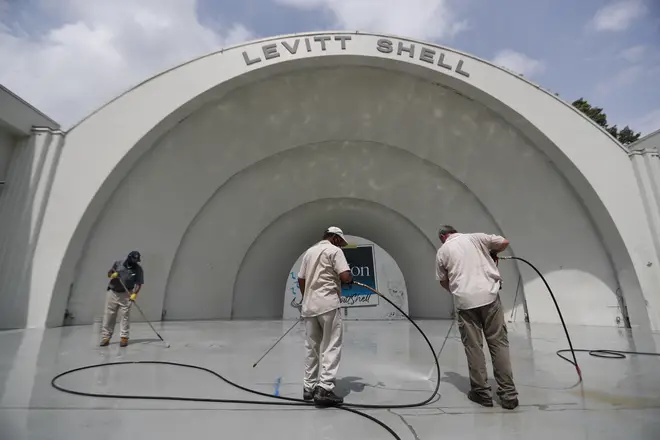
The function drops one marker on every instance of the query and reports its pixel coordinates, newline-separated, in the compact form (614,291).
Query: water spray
(143,316)
(353,408)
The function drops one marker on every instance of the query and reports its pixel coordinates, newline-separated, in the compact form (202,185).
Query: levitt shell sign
(361,261)
(441,60)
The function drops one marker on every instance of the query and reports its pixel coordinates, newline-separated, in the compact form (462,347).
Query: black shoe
(510,403)
(308,394)
(323,397)
(481,400)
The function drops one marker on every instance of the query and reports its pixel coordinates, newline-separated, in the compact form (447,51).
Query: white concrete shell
(223,170)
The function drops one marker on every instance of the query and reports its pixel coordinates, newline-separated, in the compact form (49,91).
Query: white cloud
(626,77)
(519,63)
(648,123)
(103,49)
(423,19)
(633,54)
(618,16)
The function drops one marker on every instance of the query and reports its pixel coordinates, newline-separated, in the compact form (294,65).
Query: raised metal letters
(249,61)
(270,51)
(322,40)
(427,55)
(459,69)
(383,45)
(343,39)
(441,62)
(293,49)
(410,50)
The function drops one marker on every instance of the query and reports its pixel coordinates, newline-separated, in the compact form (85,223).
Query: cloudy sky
(68,57)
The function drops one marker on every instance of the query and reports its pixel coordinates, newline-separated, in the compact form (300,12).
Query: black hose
(284,401)
(601,353)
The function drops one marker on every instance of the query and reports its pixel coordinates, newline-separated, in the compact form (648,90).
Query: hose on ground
(353,408)
(279,400)
(601,353)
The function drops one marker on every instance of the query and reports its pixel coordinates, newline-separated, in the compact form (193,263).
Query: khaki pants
(323,345)
(488,319)
(116,301)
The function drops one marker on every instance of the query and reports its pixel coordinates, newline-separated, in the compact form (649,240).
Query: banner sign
(370,265)
(361,261)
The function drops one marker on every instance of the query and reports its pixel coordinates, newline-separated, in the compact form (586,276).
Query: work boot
(323,397)
(510,403)
(308,394)
(480,399)
(123,342)
(105,342)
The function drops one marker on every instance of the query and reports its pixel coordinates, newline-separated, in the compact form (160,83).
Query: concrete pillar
(646,163)
(22,205)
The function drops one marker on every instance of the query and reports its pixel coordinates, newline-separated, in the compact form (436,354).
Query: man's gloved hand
(494,256)
(114,275)
(133,296)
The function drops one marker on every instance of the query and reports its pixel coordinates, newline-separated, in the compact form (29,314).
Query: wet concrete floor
(383,363)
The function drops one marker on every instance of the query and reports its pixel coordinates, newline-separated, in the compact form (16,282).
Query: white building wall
(538,127)
(646,162)
(7,145)
(22,204)
(196,205)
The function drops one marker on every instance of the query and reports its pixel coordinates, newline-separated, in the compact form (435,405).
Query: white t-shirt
(320,268)
(464,259)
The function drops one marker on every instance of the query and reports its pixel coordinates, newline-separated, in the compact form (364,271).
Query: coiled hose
(280,400)
(353,408)
(601,353)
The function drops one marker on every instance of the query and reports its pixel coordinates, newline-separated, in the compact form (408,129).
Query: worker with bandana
(126,280)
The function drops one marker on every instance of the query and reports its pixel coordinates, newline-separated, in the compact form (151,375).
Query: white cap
(335,230)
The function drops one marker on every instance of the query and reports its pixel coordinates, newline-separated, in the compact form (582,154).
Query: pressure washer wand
(277,342)
(561,317)
(143,316)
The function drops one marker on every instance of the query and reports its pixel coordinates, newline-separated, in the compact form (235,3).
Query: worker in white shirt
(466,267)
(323,270)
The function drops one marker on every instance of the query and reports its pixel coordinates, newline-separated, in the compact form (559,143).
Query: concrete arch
(532,115)
(189,163)
(357,215)
(198,262)
(304,234)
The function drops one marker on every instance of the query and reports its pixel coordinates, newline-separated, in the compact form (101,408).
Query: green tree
(625,136)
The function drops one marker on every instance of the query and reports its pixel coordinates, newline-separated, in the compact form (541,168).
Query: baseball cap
(335,230)
(135,255)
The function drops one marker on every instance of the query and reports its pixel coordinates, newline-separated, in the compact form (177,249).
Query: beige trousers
(115,302)
(323,344)
(489,320)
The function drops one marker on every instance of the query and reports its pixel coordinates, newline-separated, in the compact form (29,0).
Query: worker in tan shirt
(465,266)
(322,271)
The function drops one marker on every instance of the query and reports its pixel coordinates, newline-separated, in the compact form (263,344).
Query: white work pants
(115,302)
(323,345)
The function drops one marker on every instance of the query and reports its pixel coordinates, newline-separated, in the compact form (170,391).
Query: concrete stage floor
(383,362)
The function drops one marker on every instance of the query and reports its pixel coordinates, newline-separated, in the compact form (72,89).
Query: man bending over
(465,266)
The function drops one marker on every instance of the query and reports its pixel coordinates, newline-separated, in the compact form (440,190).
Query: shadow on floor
(135,341)
(346,385)
(462,383)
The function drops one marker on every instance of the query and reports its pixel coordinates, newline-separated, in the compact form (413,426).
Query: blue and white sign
(361,261)
(370,265)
